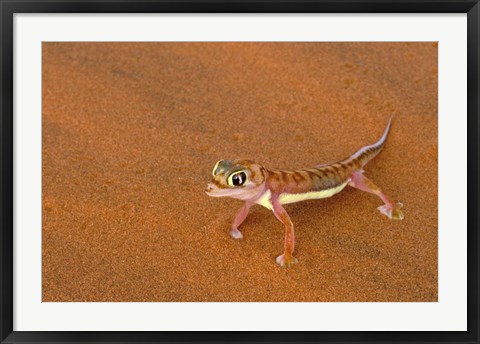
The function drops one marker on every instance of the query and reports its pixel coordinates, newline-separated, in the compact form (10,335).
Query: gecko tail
(367,153)
(380,143)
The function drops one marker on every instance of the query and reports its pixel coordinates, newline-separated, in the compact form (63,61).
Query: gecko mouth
(243,193)
(214,191)
(215,194)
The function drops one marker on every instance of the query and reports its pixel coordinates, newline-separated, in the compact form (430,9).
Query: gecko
(254,184)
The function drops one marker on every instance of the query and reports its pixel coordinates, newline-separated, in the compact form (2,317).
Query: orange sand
(132,131)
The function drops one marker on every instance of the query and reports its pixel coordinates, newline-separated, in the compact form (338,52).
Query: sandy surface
(131,133)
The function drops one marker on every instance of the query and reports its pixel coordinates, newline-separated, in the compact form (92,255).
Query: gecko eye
(214,171)
(237,178)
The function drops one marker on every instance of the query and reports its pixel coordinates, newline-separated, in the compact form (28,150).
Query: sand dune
(131,132)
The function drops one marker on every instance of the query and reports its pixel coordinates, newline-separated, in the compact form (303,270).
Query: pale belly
(287,198)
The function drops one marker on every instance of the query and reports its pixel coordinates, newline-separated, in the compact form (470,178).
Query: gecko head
(241,179)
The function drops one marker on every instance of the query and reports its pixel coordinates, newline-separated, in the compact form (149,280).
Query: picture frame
(10,8)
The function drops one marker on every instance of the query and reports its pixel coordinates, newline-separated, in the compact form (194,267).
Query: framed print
(261,171)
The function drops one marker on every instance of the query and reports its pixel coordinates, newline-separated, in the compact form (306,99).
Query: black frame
(9,7)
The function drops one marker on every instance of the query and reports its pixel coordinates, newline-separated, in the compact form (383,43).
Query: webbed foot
(392,211)
(236,234)
(287,262)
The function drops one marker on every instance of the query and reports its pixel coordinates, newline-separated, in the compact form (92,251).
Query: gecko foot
(392,211)
(236,234)
(282,261)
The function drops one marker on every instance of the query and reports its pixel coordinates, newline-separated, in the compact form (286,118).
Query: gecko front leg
(239,218)
(286,259)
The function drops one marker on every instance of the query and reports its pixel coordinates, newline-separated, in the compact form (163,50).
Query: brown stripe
(219,185)
(304,174)
(277,175)
(313,174)
(353,164)
(315,171)
(345,168)
(330,172)
(339,169)
(285,177)
(370,151)
(298,177)
(335,168)
(323,171)
(262,171)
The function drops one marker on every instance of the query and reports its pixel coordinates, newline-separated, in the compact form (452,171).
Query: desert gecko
(254,184)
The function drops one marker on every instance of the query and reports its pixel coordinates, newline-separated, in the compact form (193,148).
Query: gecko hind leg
(239,218)
(390,208)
